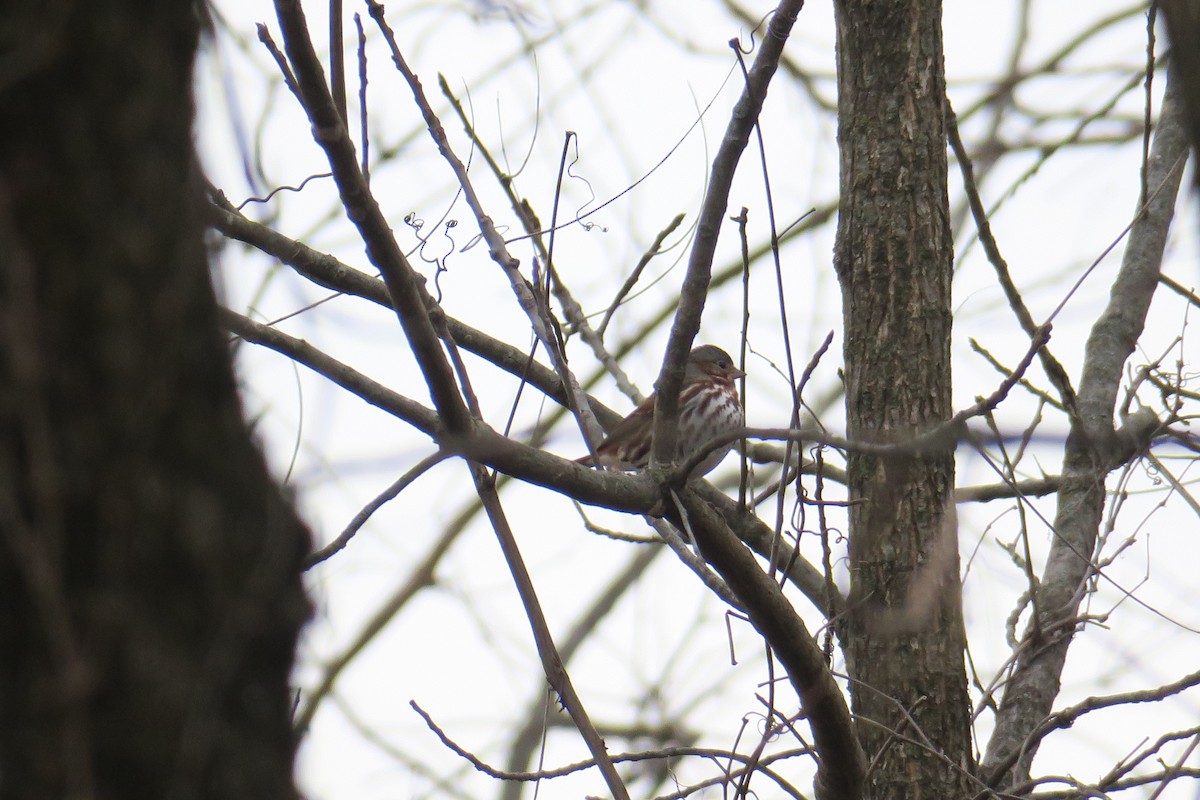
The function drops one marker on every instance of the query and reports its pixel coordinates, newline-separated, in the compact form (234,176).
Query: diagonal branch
(708,227)
(525,741)
(841,764)
(1054,369)
(329,131)
(325,270)
(618,491)
(552,662)
(534,306)
(1090,445)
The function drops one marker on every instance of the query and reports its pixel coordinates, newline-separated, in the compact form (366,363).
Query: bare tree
(452,328)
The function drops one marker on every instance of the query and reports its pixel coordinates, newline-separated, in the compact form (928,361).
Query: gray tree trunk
(904,635)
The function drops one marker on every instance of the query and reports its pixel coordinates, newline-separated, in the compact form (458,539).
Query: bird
(709,406)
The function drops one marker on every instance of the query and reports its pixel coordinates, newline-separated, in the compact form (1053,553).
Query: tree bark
(149,568)
(903,636)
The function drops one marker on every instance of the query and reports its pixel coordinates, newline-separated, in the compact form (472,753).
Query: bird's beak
(734,372)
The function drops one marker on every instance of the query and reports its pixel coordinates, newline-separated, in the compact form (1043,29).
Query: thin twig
(360,519)
(542,326)
(552,664)
(627,287)
(330,133)
(337,59)
(364,131)
(1054,369)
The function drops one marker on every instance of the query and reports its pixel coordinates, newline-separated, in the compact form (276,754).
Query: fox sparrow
(708,407)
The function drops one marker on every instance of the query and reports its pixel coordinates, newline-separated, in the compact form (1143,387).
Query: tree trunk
(894,255)
(149,590)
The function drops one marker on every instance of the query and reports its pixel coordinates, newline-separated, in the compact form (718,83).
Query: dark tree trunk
(149,589)
(904,636)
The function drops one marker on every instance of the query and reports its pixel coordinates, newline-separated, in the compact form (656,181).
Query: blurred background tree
(149,592)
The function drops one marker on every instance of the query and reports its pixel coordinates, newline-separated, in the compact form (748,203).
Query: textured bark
(149,583)
(904,633)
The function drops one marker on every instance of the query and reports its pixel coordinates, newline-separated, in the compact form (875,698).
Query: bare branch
(402,281)
(1054,370)
(325,270)
(614,490)
(525,737)
(1090,446)
(525,292)
(552,663)
(360,519)
(708,228)
(663,753)
(841,764)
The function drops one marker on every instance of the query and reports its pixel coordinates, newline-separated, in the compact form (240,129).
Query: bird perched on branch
(709,405)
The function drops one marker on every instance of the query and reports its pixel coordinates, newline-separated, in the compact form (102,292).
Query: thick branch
(615,490)
(402,281)
(708,227)
(841,764)
(325,270)
(1090,448)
